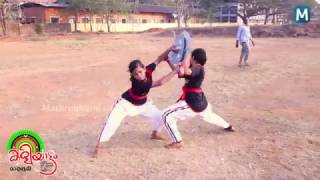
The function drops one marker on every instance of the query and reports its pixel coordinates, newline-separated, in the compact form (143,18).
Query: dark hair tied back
(133,65)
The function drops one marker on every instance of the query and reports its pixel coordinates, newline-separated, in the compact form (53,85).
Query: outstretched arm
(165,78)
(163,56)
(172,66)
(252,42)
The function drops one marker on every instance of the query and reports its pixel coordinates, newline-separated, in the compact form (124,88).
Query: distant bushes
(39,28)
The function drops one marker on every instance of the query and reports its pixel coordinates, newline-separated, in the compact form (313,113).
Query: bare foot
(178,145)
(95,151)
(246,64)
(239,65)
(156,136)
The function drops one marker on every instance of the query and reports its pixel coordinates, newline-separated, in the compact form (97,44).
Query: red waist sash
(135,96)
(186,89)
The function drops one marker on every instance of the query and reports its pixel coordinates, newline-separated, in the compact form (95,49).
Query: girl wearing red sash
(193,101)
(135,101)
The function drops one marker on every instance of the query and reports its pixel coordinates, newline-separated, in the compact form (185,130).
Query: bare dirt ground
(64,87)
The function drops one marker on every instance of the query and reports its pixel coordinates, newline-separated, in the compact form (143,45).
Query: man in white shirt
(244,36)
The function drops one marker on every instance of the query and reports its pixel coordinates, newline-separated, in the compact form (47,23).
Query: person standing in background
(244,36)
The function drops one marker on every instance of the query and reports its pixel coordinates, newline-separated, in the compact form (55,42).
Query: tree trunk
(19,19)
(91,21)
(243,16)
(244,9)
(266,16)
(108,23)
(108,26)
(179,21)
(266,19)
(19,27)
(178,9)
(3,28)
(186,21)
(102,23)
(3,21)
(274,18)
(76,22)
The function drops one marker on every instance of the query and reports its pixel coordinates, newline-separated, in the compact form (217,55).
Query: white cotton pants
(181,111)
(123,108)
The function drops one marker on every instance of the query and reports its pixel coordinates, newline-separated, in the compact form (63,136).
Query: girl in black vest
(193,101)
(135,101)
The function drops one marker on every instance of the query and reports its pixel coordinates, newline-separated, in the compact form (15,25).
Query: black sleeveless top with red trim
(192,92)
(139,90)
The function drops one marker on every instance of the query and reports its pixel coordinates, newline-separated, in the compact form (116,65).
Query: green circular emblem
(25,137)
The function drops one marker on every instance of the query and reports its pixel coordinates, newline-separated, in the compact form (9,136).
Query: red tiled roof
(34,1)
(142,8)
(54,5)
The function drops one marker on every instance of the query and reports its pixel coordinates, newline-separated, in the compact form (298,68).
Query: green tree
(269,8)
(3,17)
(10,12)
(248,8)
(158,2)
(191,8)
(107,8)
(210,9)
(104,8)
(180,6)
(76,6)
(92,7)
(273,7)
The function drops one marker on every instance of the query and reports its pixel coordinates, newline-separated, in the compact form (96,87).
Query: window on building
(33,20)
(55,20)
(144,21)
(124,21)
(218,10)
(99,20)
(27,21)
(85,20)
(225,10)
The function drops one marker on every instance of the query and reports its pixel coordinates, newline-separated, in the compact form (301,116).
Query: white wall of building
(137,27)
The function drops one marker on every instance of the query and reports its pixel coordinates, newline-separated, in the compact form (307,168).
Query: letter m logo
(301,14)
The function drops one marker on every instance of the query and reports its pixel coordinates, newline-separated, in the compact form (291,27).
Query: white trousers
(181,111)
(123,108)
